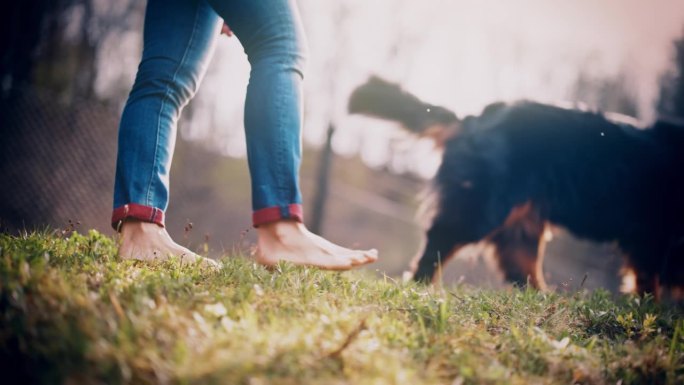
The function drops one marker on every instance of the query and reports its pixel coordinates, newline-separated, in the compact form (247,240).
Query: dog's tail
(382,99)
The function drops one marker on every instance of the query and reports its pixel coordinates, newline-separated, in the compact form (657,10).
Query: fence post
(322,183)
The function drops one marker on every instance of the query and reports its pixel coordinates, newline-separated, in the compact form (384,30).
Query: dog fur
(517,168)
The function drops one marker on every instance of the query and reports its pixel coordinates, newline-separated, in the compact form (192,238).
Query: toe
(365,257)
(329,261)
(358,259)
(210,263)
(371,255)
(341,264)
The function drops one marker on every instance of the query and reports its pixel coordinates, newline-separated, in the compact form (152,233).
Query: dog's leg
(446,236)
(519,247)
(464,217)
(672,270)
(647,282)
(643,262)
(442,240)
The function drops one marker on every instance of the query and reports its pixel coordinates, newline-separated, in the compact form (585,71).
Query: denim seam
(280,174)
(164,101)
(284,190)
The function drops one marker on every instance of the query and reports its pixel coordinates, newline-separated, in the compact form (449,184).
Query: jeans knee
(281,49)
(167,79)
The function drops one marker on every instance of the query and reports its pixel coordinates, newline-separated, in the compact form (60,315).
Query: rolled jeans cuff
(139,212)
(276,213)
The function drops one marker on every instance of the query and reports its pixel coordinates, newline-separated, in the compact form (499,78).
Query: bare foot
(291,241)
(150,242)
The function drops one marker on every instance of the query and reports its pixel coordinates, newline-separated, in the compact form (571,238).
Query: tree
(55,44)
(23,27)
(610,94)
(671,98)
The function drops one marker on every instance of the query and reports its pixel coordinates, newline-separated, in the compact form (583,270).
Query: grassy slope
(71,312)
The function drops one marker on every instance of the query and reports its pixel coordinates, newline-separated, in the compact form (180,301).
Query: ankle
(132,227)
(281,229)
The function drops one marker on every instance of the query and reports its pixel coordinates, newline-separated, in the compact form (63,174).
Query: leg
(646,265)
(673,271)
(647,282)
(640,276)
(443,241)
(467,211)
(179,37)
(462,219)
(273,38)
(520,247)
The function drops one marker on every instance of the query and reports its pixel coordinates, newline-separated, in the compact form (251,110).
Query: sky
(462,54)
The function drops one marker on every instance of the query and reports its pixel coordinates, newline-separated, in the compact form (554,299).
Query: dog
(517,168)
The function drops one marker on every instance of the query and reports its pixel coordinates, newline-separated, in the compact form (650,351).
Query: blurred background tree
(59,44)
(671,97)
(614,94)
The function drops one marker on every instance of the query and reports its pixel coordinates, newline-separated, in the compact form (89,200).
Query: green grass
(72,313)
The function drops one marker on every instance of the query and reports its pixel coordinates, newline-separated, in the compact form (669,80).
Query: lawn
(71,312)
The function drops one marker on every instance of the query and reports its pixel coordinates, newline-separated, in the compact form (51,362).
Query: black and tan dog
(517,168)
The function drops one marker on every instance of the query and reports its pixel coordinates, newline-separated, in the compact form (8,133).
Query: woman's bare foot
(150,242)
(291,241)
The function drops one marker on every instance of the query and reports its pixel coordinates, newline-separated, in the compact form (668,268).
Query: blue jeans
(179,39)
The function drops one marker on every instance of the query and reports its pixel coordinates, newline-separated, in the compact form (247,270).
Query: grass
(72,313)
